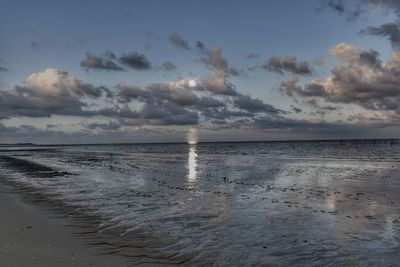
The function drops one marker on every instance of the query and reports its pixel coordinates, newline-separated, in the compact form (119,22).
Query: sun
(192,83)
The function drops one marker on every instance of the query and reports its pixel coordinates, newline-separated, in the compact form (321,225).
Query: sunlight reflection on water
(192,164)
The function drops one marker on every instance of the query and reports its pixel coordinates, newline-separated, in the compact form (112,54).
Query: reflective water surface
(233,204)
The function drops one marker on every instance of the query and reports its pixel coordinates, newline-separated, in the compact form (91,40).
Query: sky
(192,71)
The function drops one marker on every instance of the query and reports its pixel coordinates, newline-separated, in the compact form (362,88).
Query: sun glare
(192,83)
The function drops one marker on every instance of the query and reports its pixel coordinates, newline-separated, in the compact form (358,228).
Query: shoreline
(33,234)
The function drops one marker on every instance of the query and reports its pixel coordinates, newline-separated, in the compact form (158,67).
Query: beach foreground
(221,204)
(34,235)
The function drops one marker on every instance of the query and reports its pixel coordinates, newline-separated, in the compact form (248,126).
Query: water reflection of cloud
(192,164)
(389,233)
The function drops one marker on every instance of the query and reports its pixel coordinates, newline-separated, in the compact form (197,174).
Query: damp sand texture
(225,204)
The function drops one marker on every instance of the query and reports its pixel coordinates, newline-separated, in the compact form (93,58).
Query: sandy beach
(33,235)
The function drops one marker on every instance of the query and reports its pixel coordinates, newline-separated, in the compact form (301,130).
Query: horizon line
(201,142)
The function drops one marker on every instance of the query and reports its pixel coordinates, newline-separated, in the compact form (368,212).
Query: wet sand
(264,204)
(32,235)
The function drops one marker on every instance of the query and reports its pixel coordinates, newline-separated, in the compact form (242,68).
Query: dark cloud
(200,47)
(181,96)
(319,109)
(178,93)
(135,61)
(225,114)
(296,109)
(253,105)
(287,64)
(178,41)
(109,126)
(168,66)
(337,5)
(128,93)
(109,61)
(209,102)
(253,56)
(370,58)
(104,62)
(35,45)
(388,30)
(162,114)
(352,10)
(46,41)
(172,93)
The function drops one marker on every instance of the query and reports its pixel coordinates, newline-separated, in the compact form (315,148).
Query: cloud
(370,58)
(345,52)
(168,66)
(128,93)
(217,62)
(287,64)
(296,109)
(105,62)
(109,61)
(178,41)
(109,126)
(217,83)
(54,92)
(48,93)
(226,114)
(213,104)
(321,109)
(135,61)
(180,94)
(201,47)
(173,93)
(351,9)
(361,79)
(253,105)
(43,42)
(337,5)
(162,114)
(388,30)
(35,45)
(253,56)
(160,98)
(393,5)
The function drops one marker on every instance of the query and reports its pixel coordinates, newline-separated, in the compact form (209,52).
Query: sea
(297,203)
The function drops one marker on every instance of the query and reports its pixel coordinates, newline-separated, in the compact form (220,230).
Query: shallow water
(232,204)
